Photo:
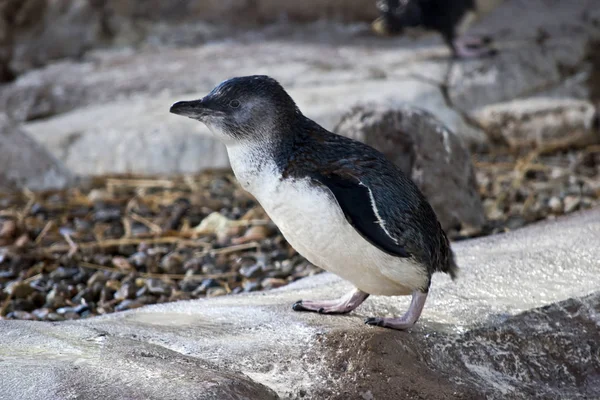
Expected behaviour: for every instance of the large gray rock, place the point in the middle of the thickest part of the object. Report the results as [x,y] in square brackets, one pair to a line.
[520,322]
[544,48]
[85,363]
[139,135]
[432,155]
[327,67]
[43,30]
[24,163]
[541,122]
[35,32]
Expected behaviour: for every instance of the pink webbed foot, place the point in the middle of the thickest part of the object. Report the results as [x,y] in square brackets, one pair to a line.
[408,320]
[338,306]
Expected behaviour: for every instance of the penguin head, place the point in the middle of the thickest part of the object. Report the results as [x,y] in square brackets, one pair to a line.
[242,108]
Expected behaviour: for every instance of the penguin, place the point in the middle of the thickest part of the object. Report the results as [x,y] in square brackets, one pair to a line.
[450,18]
[338,202]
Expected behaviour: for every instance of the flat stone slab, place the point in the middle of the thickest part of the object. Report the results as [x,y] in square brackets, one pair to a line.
[523,320]
[140,136]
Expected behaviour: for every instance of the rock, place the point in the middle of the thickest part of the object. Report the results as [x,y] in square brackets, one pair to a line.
[273,283]
[555,205]
[241,11]
[23,315]
[35,32]
[534,59]
[126,291]
[540,122]
[24,163]
[62,273]
[571,203]
[158,287]
[251,271]
[498,332]
[19,290]
[215,292]
[8,228]
[128,304]
[163,143]
[94,365]
[427,152]
[172,263]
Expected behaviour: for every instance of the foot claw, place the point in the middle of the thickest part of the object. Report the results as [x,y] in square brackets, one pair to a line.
[374,321]
[297,306]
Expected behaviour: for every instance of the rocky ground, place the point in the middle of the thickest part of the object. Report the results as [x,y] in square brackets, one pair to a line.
[512,145]
[118,243]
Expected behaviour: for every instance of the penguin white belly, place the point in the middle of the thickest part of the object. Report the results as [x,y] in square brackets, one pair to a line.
[313,223]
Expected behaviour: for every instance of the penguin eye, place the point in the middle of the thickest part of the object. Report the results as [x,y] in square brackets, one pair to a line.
[234,104]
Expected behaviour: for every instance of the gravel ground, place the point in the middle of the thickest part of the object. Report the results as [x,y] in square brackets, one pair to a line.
[117,243]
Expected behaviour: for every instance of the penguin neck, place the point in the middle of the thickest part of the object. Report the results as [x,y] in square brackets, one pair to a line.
[252,159]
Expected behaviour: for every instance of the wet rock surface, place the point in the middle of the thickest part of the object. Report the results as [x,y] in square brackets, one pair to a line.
[432,155]
[25,163]
[521,321]
[91,364]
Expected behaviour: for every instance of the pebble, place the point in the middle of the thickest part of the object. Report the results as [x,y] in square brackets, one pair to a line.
[193,264]
[19,290]
[146,299]
[189,285]
[8,229]
[555,205]
[215,291]
[158,287]
[107,215]
[97,277]
[86,295]
[126,291]
[107,294]
[122,264]
[113,284]
[55,317]
[128,305]
[272,283]
[37,209]
[66,310]
[571,203]
[9,274]
[82,308]
[21,315]
[62,273]
[178,295]
[172,263]
[23,304]
[250,286]
[41,313]
[250,271]
[139,259]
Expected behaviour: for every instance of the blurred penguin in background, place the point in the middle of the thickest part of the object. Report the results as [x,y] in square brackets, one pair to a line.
[450,18]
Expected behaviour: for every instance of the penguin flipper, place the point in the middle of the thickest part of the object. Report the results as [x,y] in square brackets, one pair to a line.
[357,202]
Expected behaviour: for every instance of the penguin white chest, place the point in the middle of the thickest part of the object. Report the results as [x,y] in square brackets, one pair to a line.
[312,222]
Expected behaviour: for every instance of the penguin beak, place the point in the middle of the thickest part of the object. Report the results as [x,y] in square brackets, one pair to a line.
[191,109]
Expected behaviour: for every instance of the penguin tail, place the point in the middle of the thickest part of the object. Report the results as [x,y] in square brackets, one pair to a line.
[452,268]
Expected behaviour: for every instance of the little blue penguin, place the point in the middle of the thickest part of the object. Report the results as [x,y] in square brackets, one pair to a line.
[340,203]
[451,18]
